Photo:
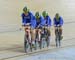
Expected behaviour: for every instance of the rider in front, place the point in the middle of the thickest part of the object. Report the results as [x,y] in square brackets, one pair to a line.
[27,18]
[39,21]
[47,21]
[58,21]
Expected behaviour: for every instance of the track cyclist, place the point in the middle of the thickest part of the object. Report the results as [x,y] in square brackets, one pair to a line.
[39,22]
[47,22]
[58,23]
[28,19]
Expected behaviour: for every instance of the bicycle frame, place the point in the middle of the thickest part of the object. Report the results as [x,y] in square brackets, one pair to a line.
[44,35]
[26,38]
[58,36]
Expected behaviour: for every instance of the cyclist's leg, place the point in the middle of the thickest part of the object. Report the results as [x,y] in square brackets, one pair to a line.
[29,34]
[39,38]
[55,30]
[60,29]
[49,32]
[36,33]
[33,36]
[56,39]
[49,35]
[39,34]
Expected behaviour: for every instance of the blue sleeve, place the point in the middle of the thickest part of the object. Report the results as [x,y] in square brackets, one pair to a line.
[54,22]
[42,22]
[49,21]
[61,21]
[23,20]
[31,14]
[33,22]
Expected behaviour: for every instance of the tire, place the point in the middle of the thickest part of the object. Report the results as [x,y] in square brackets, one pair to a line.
[30,46]
[25,44]
[40,44]
[57,39]
[47,42]
[35,45]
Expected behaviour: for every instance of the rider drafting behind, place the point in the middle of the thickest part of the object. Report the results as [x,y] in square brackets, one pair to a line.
[47,21]
[39,22]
